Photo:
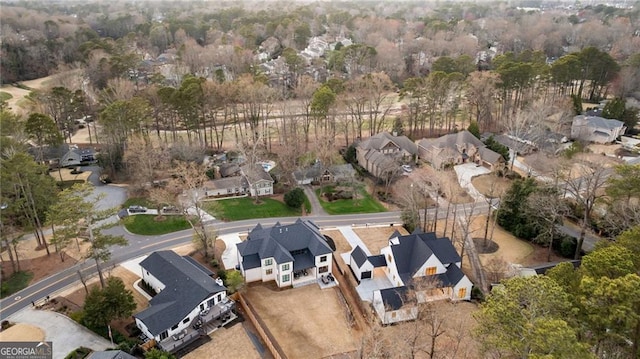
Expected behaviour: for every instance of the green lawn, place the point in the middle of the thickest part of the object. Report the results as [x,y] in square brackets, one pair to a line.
[147,224]
[15,283]
[245,208]
[5,96]
[364,203]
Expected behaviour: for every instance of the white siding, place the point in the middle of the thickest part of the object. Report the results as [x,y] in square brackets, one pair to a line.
[431,262]
[252,275]
[154,282]
[367,266]
[463,283]
[328,262]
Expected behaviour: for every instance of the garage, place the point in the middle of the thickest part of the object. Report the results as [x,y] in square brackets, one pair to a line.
[366,275]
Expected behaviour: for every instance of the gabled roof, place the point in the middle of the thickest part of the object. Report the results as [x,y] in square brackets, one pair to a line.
[256,173]
[452,141]
[187,284]
[599,122]
[490,155]
[382,139]
[410,254]
[280,240]
[413,250]
[359,256]
[224,183]
[394,298]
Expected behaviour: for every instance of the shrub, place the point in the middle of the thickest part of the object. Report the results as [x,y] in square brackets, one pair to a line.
[294,198]
[477,294]
[78,353]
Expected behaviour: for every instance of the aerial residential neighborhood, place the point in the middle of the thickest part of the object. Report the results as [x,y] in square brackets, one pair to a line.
[319,179]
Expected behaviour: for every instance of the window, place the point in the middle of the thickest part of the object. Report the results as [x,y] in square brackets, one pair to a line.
[323,269]
[164,335]
[268,262]
[323,259]
[175,327]
[186,320]
[389,258]
[430,271]
[393,314]
[462,292]
[219,298]
[285,266]
[269,271]
[285,278]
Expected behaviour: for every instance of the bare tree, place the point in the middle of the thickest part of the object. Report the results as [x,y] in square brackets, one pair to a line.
[585,186]
[548,207]
[186,192]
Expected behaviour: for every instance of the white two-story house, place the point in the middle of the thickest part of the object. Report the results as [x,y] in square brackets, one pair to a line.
[291,255]
[421,263]
[184,290]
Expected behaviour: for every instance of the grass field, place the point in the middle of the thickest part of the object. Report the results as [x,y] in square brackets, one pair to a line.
[364,204]
[155,225]
[245,208]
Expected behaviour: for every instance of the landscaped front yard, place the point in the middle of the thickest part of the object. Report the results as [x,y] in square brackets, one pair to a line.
[307,322]
[152,225]
[245,208]
[364,203]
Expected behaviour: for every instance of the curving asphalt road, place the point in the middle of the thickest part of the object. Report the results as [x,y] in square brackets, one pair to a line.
[141,245]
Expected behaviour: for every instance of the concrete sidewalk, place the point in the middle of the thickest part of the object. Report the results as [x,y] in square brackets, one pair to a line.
[65,334]
[230,254]
[353,239]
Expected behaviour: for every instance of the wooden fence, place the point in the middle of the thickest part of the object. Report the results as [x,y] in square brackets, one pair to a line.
[263,331]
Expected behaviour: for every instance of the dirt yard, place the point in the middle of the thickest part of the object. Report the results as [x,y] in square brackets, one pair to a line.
[66,175]
[342,245]
[231,342]
[454,342]
[491,185]
[35,260]
[22,333]
[307,322]
[378,237]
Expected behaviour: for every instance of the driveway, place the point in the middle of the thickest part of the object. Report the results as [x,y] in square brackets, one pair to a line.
[112,195]
[316,208]
[465,173]
[230,254]
[65,334]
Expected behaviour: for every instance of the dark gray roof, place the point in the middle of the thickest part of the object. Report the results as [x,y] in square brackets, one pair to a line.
[394,298]
[303,261]
[186,285]
[202,268]
[251,261]
[110,354]
[410,254]
[378,261]
[414,249]
[359,256]
[280,240]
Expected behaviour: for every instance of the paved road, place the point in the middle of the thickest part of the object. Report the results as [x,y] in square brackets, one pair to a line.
[141,245]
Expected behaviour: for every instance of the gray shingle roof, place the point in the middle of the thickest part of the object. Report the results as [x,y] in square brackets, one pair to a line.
[453,140]
[255,173]
[378,261]
[186,286]
[414,249]
[359,256]
[224,183]
[280,240]
[394,298]
[110,354]
[379,141]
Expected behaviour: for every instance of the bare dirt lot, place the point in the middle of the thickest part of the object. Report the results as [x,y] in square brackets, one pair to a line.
[491,185]
[232,342]
[35,260]
[307,322]
[22,332]
[378,237]
[454,342]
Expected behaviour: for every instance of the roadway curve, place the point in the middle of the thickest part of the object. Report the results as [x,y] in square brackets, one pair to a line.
[142,245]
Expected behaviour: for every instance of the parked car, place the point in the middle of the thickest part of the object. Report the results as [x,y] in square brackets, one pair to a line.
[170,209]
[407,168]
[137,209]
